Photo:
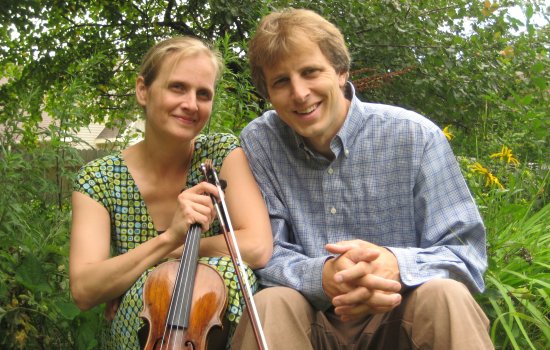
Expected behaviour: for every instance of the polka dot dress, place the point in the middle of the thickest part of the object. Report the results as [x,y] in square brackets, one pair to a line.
[108,181]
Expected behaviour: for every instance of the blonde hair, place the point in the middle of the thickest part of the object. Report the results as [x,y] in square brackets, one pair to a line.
[184,46]
[280,32]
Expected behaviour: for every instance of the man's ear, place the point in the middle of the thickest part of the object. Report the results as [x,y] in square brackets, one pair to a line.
[342,79]
[141,91]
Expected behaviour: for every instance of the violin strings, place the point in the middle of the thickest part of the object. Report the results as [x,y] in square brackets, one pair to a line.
[187,295]
[177,294]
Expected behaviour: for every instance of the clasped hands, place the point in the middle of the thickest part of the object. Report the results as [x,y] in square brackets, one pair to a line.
[362,279]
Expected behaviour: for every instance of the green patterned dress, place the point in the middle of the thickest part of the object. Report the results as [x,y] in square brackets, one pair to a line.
[108,181]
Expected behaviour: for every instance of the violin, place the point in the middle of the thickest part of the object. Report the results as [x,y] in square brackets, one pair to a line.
[185,300]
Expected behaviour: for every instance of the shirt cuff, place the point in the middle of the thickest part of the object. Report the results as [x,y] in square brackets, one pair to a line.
[313,284]
[408,267]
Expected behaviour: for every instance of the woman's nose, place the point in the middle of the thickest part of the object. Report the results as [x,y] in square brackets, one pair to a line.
[189,102]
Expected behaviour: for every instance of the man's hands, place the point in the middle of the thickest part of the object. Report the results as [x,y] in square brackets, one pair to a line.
[363,279]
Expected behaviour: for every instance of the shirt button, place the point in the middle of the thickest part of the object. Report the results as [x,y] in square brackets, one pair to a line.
[346,152]
[330,171]
[333,210]
[409,277]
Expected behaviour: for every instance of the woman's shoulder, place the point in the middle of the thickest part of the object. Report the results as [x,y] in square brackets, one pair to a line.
[108,164]
[110,159]
[215,146]
[217,140]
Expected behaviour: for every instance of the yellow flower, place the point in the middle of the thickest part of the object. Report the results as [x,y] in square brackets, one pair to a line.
[490,179]
[506,153]
[447,133]
[478,168]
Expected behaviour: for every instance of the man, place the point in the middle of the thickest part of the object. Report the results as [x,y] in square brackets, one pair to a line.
[377,238]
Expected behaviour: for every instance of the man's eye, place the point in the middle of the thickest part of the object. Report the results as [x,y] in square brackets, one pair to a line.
[311,71]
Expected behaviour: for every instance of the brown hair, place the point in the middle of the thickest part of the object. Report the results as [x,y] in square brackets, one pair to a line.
[279,32]
[185,46]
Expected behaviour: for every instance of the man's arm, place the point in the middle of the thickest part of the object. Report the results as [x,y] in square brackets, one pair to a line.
[452,236]
[289,266]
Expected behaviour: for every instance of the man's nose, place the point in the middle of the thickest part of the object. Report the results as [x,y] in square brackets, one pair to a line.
[300,89]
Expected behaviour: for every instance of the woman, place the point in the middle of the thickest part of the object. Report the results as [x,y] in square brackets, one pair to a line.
[134,198]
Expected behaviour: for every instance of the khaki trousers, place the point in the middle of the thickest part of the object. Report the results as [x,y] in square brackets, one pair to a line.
[440,314]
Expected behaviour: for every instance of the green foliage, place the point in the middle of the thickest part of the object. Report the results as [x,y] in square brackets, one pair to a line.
[35,307]
[517,217]
[467,64]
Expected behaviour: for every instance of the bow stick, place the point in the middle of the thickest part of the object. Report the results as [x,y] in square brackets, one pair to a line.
[223,216]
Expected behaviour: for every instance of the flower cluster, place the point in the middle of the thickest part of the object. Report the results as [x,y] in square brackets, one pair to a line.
[505,155]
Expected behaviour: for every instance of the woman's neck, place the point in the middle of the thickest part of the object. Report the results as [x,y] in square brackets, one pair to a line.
[162,159]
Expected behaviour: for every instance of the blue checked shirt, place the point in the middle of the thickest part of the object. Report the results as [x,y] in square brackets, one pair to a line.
[394,182]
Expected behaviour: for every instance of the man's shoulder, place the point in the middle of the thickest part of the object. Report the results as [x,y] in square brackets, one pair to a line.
[266,119]
[263,126]
[392,114]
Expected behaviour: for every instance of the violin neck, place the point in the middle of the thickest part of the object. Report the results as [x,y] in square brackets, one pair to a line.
[183,290]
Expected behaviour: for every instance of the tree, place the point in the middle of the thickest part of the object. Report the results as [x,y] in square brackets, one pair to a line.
[461,63]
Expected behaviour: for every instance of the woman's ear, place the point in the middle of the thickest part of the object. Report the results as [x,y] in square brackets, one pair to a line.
[141,91]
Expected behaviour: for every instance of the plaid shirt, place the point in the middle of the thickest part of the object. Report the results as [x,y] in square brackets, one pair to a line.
[394,182]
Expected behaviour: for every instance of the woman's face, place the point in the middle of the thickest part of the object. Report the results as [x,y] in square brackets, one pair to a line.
[179,101]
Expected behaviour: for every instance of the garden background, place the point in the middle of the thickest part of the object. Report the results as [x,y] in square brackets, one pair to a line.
[478,69]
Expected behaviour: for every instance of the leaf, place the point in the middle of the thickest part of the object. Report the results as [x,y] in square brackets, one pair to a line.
[2,313]
[539,82]
[67,309]
[537,67]
[31,274]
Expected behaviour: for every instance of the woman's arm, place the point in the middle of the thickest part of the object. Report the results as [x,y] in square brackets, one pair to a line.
[248,214]
[96,277]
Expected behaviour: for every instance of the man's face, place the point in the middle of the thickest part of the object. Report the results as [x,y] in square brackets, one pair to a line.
[307,94]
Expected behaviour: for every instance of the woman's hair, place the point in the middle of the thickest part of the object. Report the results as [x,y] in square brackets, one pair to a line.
[280,32]
[183,46]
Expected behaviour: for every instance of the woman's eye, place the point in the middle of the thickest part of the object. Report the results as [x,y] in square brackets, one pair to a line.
[177,87]
[280,82]
[204,95]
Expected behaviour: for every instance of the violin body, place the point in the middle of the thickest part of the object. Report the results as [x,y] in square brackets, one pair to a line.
[209,300]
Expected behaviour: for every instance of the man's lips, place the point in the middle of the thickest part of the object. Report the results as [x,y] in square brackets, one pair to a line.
[308,109]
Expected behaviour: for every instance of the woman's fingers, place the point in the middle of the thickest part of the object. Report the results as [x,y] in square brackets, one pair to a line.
[195,207]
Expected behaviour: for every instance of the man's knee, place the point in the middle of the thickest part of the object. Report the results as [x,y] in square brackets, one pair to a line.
[279,299]
[447,298]
[443,289]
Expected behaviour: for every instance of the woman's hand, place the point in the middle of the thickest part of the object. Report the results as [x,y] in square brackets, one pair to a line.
[95,276]
[194,206]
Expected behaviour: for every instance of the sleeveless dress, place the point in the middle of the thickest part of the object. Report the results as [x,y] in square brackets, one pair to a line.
[107,181]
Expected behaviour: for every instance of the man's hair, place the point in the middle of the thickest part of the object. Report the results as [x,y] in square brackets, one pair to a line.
[280,32]
[184,47]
